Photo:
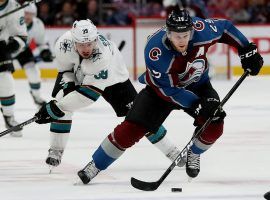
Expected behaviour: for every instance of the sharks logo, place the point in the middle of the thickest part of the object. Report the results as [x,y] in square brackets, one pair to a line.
[192,73]
[66,45]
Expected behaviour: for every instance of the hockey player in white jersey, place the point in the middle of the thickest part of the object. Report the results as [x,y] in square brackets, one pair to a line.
[13,36]
[35,42]
[90,66]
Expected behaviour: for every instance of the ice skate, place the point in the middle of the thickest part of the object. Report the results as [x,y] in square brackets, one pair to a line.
[173,154]
[193,164]
[54,158]
[88,172]
[38,100]
[10,122]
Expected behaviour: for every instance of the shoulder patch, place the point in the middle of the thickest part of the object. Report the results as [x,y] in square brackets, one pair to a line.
[198,25]
[65,45]
[155,53]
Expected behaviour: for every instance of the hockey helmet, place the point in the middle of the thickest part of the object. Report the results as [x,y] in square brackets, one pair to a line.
[179,21]
[84,31]
[31,9]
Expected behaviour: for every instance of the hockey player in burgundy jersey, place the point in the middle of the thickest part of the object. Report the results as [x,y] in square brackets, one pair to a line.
[176,77]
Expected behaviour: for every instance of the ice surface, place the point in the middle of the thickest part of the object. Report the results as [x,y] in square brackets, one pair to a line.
[236,167]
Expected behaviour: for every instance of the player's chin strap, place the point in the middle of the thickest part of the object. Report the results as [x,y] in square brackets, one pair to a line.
[29,121]
[151,186]
[19,8]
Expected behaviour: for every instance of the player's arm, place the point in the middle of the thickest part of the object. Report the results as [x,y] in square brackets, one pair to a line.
[250,58]
[82,96]
[17,28]
[40,39]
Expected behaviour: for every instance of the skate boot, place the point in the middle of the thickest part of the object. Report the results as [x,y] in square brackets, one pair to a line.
[173,154]
[88,172]
[10,122]
[38,100]
[54,157]
[193,164]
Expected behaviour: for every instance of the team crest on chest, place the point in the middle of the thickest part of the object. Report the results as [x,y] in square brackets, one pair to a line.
[155,53]
[66,45]
[192,73]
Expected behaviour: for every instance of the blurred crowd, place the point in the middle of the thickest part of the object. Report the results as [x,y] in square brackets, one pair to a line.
[121,12]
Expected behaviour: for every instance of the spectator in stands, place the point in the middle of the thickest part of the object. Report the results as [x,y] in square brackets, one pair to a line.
[152,9]
[67,15]
[92,12]
[119,14]
[45,14]
[237,12]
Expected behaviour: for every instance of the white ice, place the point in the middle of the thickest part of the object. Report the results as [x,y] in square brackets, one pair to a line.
[237,167]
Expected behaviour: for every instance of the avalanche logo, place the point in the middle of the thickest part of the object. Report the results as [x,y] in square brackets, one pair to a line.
[154,54]
[192,73]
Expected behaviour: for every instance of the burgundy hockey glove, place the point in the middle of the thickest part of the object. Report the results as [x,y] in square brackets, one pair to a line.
[48,113]
[251,59]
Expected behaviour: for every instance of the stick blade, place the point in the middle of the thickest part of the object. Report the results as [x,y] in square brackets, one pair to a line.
[145,186]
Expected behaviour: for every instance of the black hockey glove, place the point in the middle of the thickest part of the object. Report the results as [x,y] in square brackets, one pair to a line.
[46,55]
[69,87]
[251,59]
[208,106]
[5,57]
[12,45]
[48,113]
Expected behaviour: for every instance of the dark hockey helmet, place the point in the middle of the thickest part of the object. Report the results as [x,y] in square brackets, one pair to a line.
[179,21]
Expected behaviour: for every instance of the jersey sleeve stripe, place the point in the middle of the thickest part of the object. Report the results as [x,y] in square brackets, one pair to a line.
[89,92]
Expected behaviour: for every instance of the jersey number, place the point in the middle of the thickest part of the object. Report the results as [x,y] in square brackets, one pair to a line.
[102,75]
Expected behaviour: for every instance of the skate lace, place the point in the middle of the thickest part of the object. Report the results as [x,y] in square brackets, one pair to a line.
[193,160]
[55,153]
[91,170]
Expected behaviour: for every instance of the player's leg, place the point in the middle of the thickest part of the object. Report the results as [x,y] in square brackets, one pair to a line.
[7,92]
[59,129]
[59,134]
[121,97]
[210,134]
[147,114]
[27,61]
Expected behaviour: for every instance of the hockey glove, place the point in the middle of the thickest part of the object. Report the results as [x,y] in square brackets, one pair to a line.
[5,58]
[69,87]
[48,113]
[12,45]
[251,59]
[208,106]
[46,55]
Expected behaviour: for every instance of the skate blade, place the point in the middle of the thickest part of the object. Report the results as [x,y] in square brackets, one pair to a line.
[78,182]
[51,169]
[190,179]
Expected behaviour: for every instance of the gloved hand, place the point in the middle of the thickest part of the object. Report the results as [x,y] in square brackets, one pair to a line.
[69,87]
[208,106]
[12,45]
[46,55]
[48,113]
[251,59]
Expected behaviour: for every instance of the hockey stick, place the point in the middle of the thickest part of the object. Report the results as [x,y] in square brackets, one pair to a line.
[29,121]
[151,186]
[19,8]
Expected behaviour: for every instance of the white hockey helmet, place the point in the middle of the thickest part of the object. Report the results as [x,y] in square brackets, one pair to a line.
[31,9]
[84,31]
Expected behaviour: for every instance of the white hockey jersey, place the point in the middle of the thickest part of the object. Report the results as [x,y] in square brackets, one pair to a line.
[36,34]
[13,24]
[104,68]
